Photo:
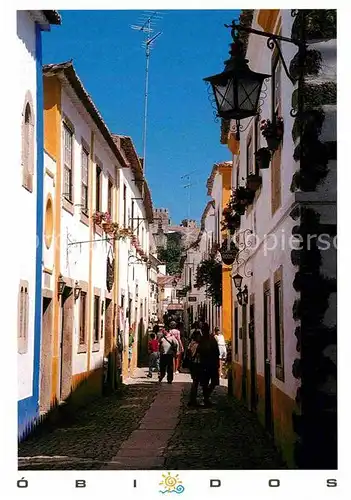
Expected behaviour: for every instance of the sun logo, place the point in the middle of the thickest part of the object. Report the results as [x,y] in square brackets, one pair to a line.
[171,484]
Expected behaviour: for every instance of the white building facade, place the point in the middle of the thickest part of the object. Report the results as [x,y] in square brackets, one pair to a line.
[282,336]
[27,304]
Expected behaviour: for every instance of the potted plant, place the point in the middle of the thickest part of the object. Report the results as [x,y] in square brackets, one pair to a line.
[253,182]
[273,132]
[262,158]
[243,196]
[98,218]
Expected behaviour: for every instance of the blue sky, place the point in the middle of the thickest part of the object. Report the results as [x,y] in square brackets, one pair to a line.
[182,135]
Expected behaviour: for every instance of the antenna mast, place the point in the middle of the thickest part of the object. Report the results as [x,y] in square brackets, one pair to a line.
[146,28]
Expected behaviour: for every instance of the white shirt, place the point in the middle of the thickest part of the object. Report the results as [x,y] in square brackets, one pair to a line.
[220,340]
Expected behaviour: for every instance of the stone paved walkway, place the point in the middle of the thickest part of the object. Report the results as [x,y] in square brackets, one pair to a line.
[150,426]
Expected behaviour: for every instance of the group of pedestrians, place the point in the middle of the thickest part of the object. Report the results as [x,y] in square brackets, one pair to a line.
[165,352]
[204,357]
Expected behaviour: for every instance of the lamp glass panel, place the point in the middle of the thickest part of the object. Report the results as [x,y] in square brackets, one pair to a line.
[224,96]
[248,94]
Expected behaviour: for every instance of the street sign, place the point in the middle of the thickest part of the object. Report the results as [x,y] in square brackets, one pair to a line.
[228,254]
[192,299]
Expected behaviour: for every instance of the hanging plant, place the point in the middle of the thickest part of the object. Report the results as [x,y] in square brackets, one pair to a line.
[98,218]
[273,132]
[242,196]
[262,158]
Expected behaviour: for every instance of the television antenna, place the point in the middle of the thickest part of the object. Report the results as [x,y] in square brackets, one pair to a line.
[146,25]
[188,186]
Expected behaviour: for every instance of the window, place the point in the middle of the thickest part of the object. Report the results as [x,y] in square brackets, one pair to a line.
[278,324]
[110,197]
[138,224]
[28,145]
[132,216]
[102,319]
[276,110]
[124,205]
[68,163]
[98,186]
[236,331]
[23,316]
[96,318]
[85,180]
[83,318]
[237,174]
[249,156]
[267,321]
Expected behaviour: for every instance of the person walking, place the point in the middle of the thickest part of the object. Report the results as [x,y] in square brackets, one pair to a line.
[154,354]
[178,357]
[193,363]
[222,349]
[168,350]
[208,352]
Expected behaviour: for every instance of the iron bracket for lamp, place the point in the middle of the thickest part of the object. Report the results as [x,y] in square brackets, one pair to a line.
[243,249]
[273,41]
[135,261]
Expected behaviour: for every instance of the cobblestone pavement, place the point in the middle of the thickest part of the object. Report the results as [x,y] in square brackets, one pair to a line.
[149,426]
[95,434]
[224,437]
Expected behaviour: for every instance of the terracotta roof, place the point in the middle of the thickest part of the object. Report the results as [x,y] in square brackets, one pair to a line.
[52,16]
[210,180]
[70,74]
[165,280]
[136,164]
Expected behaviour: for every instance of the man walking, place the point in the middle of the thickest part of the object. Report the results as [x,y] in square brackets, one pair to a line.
[168,349]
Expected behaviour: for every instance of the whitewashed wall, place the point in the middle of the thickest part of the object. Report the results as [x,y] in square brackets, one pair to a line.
[24,269]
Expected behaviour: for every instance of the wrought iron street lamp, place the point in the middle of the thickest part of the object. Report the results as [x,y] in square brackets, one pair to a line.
[77,290]
[238,279]
[61,284]
[237,89]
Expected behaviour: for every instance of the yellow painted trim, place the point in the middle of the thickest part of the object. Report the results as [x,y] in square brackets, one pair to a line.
[48,239]
[267,18]
[91,236]
[52,145]
[233,144]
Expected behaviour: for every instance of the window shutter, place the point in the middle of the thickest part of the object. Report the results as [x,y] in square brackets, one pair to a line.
[276,180]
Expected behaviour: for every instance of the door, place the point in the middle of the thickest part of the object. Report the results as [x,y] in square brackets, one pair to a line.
[109,344]
[46,355]
[66,339]
[253,397]
[244,352]
[267,359]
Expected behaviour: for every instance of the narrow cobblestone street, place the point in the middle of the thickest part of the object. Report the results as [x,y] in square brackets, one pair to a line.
[149,426]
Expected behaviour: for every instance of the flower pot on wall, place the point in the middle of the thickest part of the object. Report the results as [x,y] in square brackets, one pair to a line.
[273,142]
[253,182]
[262,158]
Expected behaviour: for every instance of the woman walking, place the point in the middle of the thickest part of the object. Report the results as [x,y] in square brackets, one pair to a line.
[209,364]
[178,357]
[222,349]
[193,363]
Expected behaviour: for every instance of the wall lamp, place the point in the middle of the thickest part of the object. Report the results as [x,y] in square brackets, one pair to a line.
[61,284]
[77,290]
[243,294]
[237,89]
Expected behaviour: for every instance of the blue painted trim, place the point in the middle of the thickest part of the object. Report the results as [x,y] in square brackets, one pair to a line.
[28,408]
[40,210]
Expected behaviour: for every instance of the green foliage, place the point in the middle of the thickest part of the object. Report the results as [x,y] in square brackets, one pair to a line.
[209,274]
[171,255]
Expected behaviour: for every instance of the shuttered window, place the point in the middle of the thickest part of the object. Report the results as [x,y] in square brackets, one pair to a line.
[67,158]
[83,318]
[278,324]
[85,180]
[276,110]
